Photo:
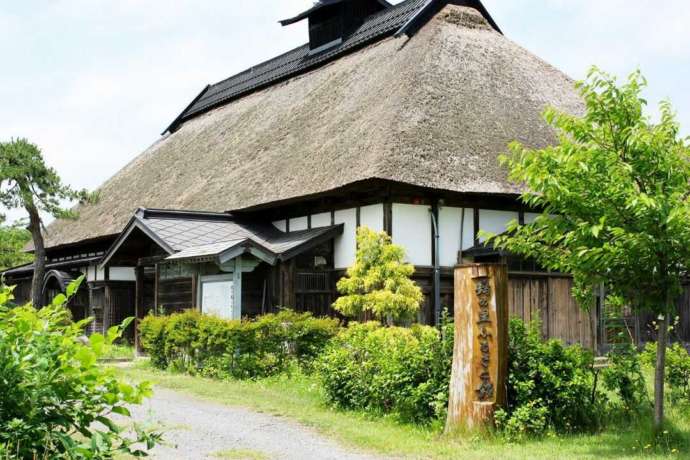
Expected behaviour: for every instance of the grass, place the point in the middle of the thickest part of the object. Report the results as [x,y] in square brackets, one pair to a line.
[299,398]
[117,352]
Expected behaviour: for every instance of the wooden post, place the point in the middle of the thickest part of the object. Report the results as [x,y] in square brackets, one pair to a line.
[480,354]
[138,305]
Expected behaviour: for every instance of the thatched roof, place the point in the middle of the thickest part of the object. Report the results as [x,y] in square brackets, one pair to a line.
[434,110]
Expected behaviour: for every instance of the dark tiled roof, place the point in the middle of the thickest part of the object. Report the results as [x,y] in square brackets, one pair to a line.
[197,234]
[298,60]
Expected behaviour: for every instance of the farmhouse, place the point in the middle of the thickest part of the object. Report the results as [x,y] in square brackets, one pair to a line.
[390,116]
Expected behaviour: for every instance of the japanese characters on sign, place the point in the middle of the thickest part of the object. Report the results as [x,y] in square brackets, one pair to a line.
[485,389]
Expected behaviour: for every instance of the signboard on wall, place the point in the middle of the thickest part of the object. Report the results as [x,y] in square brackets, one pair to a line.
[217,296]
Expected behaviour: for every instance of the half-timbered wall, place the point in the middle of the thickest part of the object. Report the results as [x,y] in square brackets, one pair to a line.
[410,227]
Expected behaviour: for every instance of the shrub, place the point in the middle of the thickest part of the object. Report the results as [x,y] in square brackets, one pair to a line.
[624,376]
[527,420]
[379,281]
[403,371]
[677,369]
[55,400]
[201,344]
[549,380]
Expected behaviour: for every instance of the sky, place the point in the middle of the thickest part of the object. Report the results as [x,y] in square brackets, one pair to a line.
[95,82]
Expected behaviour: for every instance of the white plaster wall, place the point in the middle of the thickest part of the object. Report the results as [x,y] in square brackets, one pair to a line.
[371,216]
[279,224]
[345,244]
[449,223]
[321,220]
[495,221]
[299,223]
[100,274]
[412,230]
[91,273]
[122,274]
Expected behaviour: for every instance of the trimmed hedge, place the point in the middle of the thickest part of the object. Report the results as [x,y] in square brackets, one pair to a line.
[206,345]
[397,370]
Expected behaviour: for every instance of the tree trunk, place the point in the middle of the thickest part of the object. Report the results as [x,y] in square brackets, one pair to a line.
[659,373]
[39,257]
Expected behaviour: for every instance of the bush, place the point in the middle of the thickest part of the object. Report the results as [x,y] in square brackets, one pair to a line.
[402,371]
[527,420]
[624,376]
[213,347]
[549,380]
[379,281]
[677,369]
[55,401]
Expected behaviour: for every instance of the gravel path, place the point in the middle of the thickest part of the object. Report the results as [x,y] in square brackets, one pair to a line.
[197,429]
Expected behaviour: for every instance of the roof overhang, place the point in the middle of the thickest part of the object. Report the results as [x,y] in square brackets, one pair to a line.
[28,269]
[134,223]
[223,252]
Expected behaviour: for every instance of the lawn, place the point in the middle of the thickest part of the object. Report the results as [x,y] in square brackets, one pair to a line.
[298,397]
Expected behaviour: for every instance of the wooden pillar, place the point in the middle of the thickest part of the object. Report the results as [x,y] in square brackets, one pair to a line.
[138,305]
[156,284]
[237,289]
[480,354]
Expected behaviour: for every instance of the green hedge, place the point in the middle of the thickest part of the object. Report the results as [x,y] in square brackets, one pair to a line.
[549,386]
[403,371]
[213,347]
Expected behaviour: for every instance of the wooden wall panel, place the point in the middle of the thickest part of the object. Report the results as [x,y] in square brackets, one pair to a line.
[548,299]
[176,294]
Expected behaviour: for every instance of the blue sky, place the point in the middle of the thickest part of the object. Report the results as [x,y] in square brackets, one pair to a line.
[94,82]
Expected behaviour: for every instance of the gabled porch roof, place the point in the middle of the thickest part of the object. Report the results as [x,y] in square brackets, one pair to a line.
[195,237]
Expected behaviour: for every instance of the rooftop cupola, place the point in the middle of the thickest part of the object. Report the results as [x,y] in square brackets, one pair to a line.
[332,21]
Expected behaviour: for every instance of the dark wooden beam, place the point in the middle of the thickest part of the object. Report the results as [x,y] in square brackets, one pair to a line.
[153,260]
[138,305]
[156,284]
[388,218]
[476,225]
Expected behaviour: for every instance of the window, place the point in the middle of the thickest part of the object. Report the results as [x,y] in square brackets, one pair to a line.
[216,295]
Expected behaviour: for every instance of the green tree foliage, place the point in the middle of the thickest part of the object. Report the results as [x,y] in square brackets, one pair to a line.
[26,182]
[13,238]
[55,400]
[615,199]
[379,281]
[677,369]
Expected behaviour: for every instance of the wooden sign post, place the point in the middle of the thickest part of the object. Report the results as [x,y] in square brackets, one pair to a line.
[480,354]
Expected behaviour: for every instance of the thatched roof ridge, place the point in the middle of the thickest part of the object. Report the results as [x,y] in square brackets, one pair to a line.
[433,111]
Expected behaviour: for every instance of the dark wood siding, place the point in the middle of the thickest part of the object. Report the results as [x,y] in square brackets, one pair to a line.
[176,294]
[255,291]
[96,308]
[119,300]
